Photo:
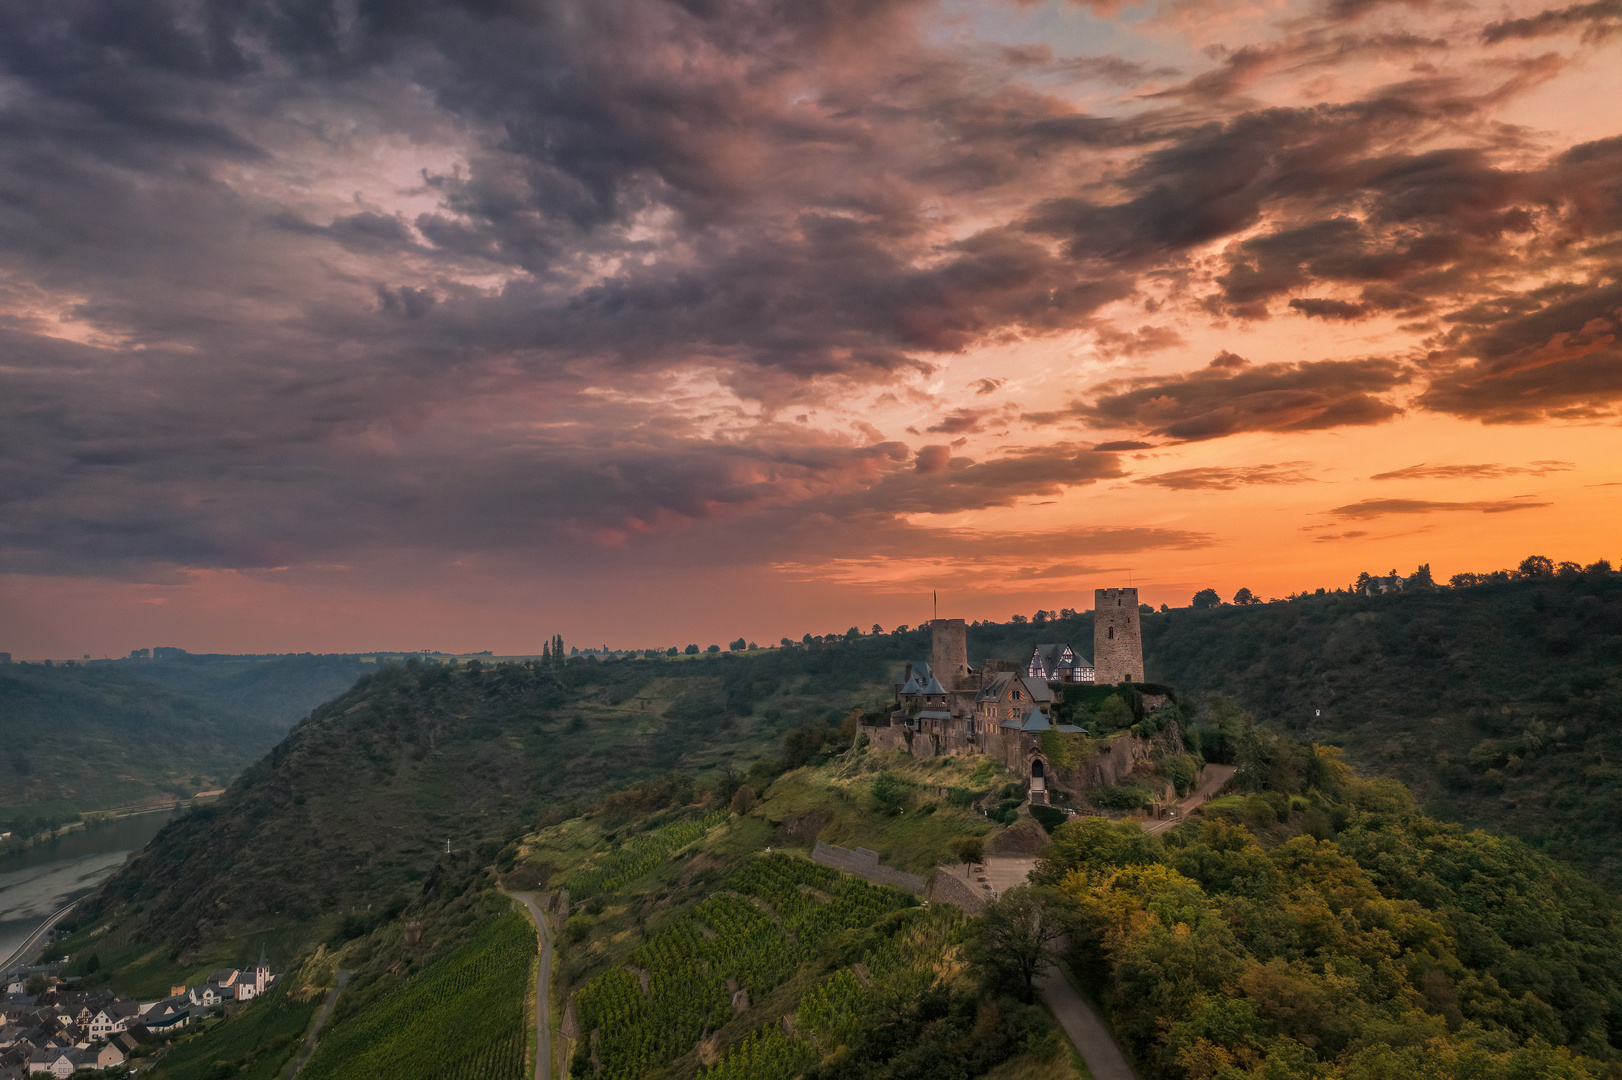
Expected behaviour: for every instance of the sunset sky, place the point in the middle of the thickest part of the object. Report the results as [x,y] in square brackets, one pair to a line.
[382,324]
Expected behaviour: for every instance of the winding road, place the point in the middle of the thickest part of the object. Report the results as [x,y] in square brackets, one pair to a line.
[1087,1032]
[543,989]
[1212,777]
[32,942]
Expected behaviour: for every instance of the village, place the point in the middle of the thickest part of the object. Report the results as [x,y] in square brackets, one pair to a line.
[49,1028]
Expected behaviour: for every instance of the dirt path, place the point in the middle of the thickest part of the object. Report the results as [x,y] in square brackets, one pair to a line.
[1087,1032]
[1211,780]
[543,990]
[315,1032]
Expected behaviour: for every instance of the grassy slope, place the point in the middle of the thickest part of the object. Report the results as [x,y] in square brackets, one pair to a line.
[258,1040]
[109,734]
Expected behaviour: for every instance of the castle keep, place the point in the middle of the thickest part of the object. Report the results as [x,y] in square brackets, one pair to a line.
[1003,709]
[1117,641]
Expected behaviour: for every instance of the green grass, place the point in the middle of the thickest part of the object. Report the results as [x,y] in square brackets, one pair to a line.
[461,1018]
[917,839]
[254,1044]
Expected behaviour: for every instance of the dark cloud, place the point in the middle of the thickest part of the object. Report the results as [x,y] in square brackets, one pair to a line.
[1560,361]
[1216,478]
[1595,22]
[1370,508]
[1492,471]
[285,280]
[1314,308]
[1145,339]
[1226,400]
[959,422]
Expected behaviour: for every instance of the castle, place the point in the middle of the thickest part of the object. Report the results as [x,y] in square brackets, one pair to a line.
[947,707]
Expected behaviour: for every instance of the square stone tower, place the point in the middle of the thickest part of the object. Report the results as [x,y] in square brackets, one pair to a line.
[950,651]
[1117,641]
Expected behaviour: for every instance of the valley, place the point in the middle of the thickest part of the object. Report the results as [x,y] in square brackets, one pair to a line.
[663,815]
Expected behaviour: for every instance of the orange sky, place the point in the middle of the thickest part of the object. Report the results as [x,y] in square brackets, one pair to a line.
[646,327]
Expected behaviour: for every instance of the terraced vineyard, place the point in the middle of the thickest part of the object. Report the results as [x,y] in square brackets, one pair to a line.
[254,1043]
[764,924]
[461,1018]
[637,856]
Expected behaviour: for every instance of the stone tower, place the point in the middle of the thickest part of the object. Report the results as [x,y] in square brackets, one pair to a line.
[1117,641]
[950,657]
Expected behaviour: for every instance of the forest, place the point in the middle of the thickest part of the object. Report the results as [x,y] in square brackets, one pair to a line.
[1317,924]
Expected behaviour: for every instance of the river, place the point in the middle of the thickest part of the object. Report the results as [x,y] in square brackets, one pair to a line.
[36,883]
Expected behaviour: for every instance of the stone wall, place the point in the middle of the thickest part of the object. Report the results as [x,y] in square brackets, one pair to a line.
[947,888]
[864,863]
[1117,639]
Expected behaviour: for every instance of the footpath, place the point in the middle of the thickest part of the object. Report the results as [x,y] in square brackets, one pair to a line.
[543,989]
[314,1036]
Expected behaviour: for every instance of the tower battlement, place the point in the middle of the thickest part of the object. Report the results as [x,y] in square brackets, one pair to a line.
[1117,638]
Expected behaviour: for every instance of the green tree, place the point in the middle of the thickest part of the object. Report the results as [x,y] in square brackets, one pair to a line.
[889,792]
[1093,843]
[35,985]
[1207,598]
[743,800]
[691,650]
[969,849]
[1018,937]
[1536,566]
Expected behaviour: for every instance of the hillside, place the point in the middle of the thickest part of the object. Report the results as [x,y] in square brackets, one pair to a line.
[338,825]
[109,734]
[1312,925]
[731,940]
[1498,704]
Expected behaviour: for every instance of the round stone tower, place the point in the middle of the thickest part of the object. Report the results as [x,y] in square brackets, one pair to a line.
[1117,641]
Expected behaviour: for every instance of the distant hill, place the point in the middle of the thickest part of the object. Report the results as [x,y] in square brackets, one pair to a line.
[1499,704]
[107,734]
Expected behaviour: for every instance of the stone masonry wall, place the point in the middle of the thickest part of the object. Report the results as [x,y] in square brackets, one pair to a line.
[950,659]
[1117,639]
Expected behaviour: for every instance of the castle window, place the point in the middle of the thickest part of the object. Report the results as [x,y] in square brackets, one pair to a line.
[1112,633]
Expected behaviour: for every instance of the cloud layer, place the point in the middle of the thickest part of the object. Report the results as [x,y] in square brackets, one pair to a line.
[289,283]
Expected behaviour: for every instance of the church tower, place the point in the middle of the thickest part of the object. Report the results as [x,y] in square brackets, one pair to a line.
[1117,641]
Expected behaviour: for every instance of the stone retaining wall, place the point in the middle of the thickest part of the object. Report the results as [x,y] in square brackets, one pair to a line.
[864,863]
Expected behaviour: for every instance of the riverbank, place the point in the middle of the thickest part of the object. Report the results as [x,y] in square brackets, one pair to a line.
[37,883]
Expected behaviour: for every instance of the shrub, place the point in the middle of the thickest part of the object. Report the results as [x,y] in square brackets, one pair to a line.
[1050,817]
[1132,795]
[889,792]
